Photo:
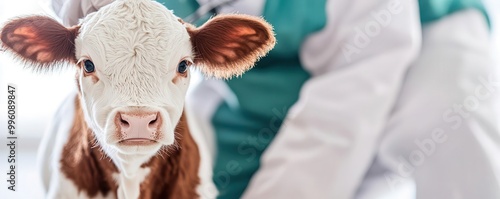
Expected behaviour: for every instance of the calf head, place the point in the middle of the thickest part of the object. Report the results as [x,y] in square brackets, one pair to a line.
[132,59]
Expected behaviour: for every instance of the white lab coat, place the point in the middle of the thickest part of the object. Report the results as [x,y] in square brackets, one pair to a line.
[367,123]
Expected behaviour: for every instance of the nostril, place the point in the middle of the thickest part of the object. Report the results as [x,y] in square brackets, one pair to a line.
[153,122]
[124,122]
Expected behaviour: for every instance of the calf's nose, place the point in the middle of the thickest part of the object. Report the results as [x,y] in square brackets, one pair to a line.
[138,126]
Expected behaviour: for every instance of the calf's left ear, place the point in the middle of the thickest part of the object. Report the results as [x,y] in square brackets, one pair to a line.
[229,45]
[39,40]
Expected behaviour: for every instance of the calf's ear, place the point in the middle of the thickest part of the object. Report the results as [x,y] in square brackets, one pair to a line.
[229,45]
[39,40]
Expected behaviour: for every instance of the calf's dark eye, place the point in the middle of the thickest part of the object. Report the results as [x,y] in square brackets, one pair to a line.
[183,67]
[88,66]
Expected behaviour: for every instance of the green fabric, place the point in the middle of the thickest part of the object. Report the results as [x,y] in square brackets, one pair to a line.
[244,132]
[181,8]
[184,8]
[264,95]
[431,10]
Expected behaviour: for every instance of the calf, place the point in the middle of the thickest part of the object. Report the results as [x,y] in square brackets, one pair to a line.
[127,135]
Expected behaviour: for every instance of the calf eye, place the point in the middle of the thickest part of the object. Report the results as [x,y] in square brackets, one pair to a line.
[88,66]
[183,66]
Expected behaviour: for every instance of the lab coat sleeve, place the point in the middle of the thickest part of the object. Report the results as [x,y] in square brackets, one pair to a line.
[329,137]
[70,11]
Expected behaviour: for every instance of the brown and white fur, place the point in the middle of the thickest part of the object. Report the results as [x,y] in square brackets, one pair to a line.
[136,47]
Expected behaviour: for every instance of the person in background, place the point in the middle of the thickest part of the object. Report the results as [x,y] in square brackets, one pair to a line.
[358,99]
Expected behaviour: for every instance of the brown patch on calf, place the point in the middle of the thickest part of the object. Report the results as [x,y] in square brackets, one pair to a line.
[229,45]
[172,176]
[83,162]
[176,174]
[40,40]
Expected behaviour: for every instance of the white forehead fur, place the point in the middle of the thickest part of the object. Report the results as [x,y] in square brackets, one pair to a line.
[136,35]
[136,46]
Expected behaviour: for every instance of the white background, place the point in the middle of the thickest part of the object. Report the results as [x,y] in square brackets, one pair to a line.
[39,95]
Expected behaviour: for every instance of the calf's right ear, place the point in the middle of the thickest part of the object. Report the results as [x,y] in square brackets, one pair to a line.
[39,40]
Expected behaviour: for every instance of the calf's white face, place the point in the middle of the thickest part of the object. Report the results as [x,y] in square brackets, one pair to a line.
[132,58]
[133,76]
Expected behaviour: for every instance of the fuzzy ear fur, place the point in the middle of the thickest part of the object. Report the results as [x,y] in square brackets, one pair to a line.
[229,45]
[39,40]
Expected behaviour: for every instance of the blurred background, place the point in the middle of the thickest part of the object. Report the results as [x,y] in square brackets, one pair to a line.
[40,94]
